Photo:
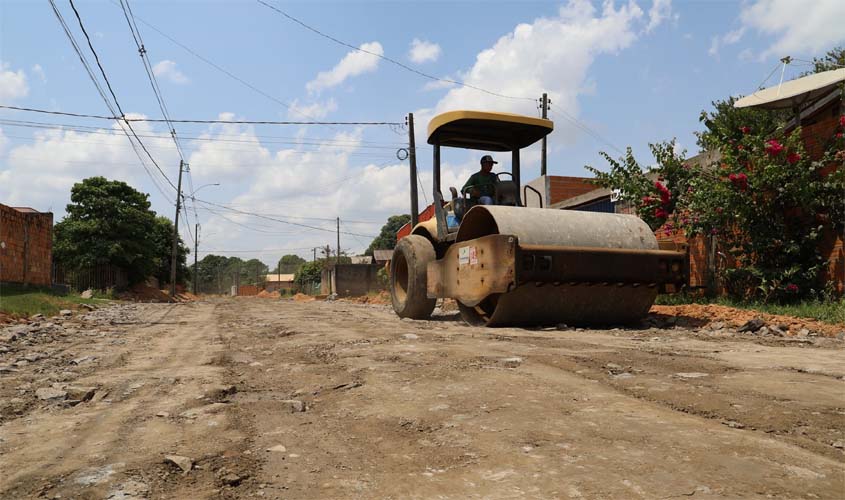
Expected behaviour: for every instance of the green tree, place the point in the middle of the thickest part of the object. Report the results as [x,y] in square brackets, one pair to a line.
[386,239]
[309,273]
[834,59]
[163,241]
[288,264]
[253,272]
[107,222]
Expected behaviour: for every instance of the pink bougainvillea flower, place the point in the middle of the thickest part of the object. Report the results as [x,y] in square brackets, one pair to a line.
[719,210]
[792,288]
[660,213]
[773,147]
[714,231]
[740,181]
[746,130]
[793,158]
[741,147]
[842,120]
[839,135]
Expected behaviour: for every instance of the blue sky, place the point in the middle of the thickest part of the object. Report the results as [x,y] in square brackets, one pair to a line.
[630,72]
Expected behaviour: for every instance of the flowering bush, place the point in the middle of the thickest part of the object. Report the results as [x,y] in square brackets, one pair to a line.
[766,201]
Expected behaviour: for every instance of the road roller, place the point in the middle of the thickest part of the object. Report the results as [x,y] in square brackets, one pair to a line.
[507,264]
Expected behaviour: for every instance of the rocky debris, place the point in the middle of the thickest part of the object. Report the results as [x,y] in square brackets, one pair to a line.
[203,410]
[717,325]
[79,393]
[689,375]
[347,386]
[87,294]
[219,392]
[803,332]
[752,325]
[82,359]
[97,475]
[277,449]
[512,362]
[89,307]
[733,424]
[66,313]
[293,405]
[50,394]
[6,369]
[129,490]
[839,444]
[184,463]
[232,479]
[410,336]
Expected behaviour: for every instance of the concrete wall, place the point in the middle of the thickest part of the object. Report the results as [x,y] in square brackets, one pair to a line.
[349,280]
[26,246]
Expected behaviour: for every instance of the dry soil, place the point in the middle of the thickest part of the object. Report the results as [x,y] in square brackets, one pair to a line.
[287,399]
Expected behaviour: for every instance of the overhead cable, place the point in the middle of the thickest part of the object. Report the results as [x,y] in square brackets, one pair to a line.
[388,59]
[233,122]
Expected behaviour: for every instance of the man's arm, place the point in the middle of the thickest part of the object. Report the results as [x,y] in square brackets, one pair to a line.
[471,183]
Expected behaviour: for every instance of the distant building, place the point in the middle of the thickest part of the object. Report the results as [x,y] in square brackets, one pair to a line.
[382,257]
[276,282]
[361,259]
[26,246]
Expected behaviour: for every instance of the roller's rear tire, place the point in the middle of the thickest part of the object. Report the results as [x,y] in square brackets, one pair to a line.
[408,277]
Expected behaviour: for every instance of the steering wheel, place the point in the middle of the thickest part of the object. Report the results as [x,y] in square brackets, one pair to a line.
[503,173]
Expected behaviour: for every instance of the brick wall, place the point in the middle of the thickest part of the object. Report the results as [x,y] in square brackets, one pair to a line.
[26,246]
[563,188]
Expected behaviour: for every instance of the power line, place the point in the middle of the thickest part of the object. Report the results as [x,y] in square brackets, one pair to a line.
[388,59]
[142,51]
[116,102]
[253,214]
[232,122]
[217,138]
[101,92]
[221,69]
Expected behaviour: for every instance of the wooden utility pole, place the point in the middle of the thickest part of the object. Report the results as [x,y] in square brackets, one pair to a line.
[314,258]
[196,244]
[175,246]
[412,157]
[544,102]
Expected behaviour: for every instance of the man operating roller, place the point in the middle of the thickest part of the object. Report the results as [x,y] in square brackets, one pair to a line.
[481,185]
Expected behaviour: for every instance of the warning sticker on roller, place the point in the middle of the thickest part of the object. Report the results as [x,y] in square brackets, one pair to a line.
[463,256]
[473,256]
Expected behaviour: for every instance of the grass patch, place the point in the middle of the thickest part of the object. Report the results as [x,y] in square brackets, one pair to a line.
[19,300]
[831,311]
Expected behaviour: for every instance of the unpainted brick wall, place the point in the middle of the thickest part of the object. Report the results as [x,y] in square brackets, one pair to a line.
[563,188]
[26,246]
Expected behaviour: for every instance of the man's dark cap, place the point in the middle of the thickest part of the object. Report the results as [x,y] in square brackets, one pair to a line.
[487,158]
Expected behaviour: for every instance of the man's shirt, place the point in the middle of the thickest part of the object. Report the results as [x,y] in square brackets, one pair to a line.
[483,182]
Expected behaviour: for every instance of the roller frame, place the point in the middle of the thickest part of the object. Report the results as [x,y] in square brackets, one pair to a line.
[475,269]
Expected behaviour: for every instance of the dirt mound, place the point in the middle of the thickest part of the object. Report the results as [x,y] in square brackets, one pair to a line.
[733,317]
[301,297]
[381,298]
[264,294]
[144,293]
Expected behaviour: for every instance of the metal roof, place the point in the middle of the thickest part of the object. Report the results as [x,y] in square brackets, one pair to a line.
[487,131]
[794,92]
[275,278]
[383,255]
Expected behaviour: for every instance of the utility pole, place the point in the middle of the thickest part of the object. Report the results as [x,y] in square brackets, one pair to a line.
[196,244]
[314,258]
[544,102]
[328,251]
[175,245]
[337,261]
[412,157]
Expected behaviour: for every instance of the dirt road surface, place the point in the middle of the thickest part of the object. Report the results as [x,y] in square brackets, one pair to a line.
[279,399]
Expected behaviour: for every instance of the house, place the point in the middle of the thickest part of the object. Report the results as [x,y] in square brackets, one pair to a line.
[276,282]
[26,246]
[382,257]
[361,259]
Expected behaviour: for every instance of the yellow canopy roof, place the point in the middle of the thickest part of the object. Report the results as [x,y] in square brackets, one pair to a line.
[486,130]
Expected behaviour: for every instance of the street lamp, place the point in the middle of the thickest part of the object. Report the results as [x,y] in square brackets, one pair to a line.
[196,232]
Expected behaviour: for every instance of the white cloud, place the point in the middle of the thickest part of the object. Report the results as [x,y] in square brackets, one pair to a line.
[38,71]
[167,69]
[56,159]
[314,111]
[797,28]
[353,63]
[13,84]
[660,11]
[729,38]
[548,55]
[423,51]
